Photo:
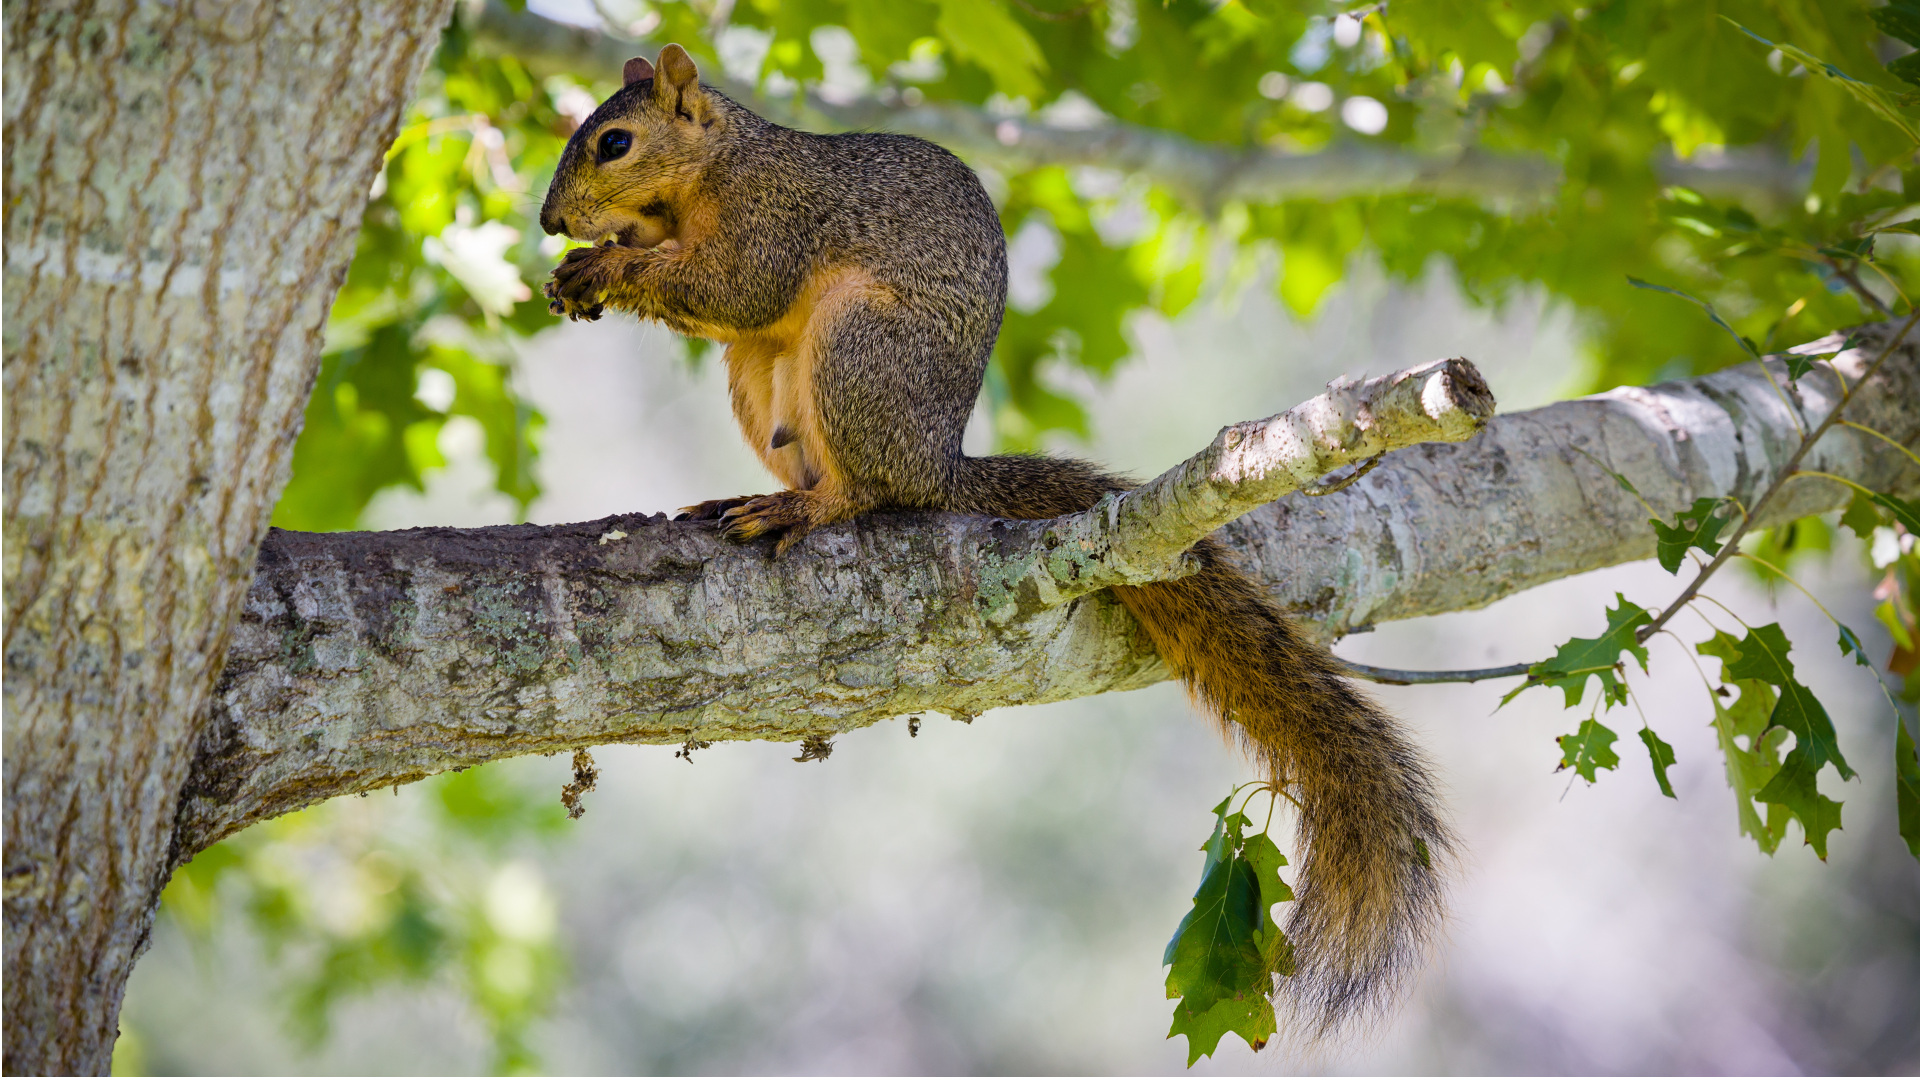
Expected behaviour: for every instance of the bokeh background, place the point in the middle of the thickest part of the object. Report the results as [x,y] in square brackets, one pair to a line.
[994,897]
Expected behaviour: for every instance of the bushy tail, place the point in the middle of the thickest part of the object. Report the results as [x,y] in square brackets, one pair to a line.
[1370,889]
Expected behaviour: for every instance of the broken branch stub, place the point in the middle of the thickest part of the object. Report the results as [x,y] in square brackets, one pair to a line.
[1144,535]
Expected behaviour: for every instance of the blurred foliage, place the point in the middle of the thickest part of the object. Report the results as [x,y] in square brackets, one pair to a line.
[425,326]
[1604,90]
[424,329]
[359,894]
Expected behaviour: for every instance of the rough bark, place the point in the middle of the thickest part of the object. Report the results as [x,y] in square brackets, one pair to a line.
[1205,175]
[183,186]
[369,659]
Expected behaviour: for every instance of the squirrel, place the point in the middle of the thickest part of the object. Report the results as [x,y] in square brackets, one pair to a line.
[858,282]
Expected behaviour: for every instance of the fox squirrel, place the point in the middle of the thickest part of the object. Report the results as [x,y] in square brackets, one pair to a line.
[858,282]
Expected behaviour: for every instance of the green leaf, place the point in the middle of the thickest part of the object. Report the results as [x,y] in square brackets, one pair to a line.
[1906,68]
[1800,362]
[1223,956]
[1861,517]
[1251,1018]
[1801,713]
[1581,658]
[1900,19]
[1882,102]
[1763,656]
[1751,766]
[887,29]
[1904,512]
[1588,750]
[1794,787]
[1215,957]
[1220,847]
[1696,527]
[1850,646]
[982,33]
[1265,858]
[1889,615]
[1906,768]
[1662,755]
[1745,345]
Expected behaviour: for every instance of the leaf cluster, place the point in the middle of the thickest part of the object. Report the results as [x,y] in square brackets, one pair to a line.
[1604,92]
[1227,951]
[424,328]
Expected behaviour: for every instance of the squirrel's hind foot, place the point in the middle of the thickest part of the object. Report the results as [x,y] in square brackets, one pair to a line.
[790,515]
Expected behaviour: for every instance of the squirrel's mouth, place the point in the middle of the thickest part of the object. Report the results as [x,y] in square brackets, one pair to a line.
[638,237]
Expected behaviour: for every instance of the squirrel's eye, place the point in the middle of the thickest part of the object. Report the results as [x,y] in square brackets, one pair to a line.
[614,144]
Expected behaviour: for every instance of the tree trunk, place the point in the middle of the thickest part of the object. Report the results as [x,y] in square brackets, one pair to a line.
[184,182]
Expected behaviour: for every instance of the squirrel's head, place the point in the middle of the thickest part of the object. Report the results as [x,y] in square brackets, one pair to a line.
[621,171]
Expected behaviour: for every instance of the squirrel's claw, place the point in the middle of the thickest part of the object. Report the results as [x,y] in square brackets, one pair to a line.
[572,309]
[713,509]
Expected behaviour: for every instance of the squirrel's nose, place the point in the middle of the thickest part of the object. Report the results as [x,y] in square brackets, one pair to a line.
[552,222]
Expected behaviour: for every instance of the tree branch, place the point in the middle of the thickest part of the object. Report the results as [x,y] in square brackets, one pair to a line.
[1399,677]
[1203,175]
[1144,535]
[368,659]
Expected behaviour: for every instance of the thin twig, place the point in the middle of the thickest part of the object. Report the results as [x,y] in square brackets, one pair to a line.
[1795,411]
[1859,287]
[1789,579]
[1731,614]
[1888,439]
[1346,481]
[1892,283]
[1398,677]
[1732,543]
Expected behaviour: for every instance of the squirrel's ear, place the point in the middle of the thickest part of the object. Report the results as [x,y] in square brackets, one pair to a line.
[676,68]
[678,85]
[638,69]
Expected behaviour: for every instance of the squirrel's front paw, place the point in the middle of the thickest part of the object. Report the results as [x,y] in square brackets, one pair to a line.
[561,306]
[581,281]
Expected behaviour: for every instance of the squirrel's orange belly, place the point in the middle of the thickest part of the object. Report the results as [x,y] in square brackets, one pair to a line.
[770,377]
[772,394]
